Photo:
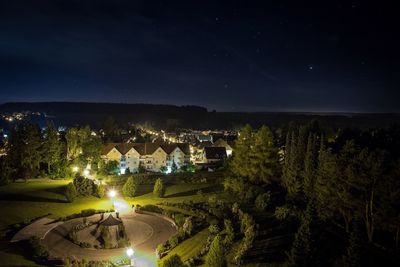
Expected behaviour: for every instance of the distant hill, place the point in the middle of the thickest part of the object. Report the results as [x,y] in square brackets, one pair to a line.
[170,116]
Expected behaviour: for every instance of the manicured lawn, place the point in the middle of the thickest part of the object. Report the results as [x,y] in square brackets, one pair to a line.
[25,201]
[190,247]
[178,193]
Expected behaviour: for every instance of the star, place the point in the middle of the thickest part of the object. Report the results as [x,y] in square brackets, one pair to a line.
[310,67]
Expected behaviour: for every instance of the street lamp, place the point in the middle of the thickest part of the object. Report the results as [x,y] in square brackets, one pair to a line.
[130,254]
[112,193]
[86,173]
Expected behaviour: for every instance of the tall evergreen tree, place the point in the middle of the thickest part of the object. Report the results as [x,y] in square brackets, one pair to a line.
[240,160]
[352,258]
[290,180]
[304,248]
[309,167]
[31,154]
[263,157]
[72,138]
[51,148]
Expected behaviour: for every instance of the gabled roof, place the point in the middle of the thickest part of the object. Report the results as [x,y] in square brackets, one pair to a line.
[169,148]
[107,148]
[215,152]
[145,148]
[111,221]
[123,148]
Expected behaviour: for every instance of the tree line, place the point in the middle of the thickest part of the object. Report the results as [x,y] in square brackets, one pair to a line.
[32,152]
[349,179]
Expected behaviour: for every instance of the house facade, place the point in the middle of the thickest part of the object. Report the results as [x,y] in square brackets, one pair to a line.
[152,157]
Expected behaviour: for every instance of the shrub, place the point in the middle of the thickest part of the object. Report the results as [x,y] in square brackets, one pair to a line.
[179,219]
[70,192]
[38,249]
[214,229]
[246,222]
[262,201]
[188,226]
[229,233]
[100,191]
[282,213]
[150,208]
[159,188]
[110,168]
[130,187]
[173,241]
[85,245]
[84,186]
[173,261]
[160,249]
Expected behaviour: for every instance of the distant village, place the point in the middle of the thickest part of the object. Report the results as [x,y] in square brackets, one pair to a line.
[169,150]
[150,150]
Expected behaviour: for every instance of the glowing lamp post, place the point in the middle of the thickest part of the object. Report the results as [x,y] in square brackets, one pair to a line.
[86,173]
[112,194]
[130,254]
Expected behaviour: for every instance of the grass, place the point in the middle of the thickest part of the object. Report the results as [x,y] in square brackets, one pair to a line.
[190,247]
[23,201]
[12,255]
[35,198]
[177,194]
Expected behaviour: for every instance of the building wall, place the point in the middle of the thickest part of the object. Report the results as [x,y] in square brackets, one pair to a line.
[114,154]
[178,157]
[132,160]
[159,159]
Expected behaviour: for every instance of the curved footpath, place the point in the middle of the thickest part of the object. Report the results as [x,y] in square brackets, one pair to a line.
[144,231]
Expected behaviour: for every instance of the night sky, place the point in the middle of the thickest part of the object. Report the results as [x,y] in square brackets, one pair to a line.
[224,55]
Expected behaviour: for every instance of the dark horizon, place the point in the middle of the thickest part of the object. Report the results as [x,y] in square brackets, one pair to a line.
[225,55]
[205,107]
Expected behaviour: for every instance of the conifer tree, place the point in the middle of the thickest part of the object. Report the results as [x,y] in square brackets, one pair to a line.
[31,154]
[240,160]
[159,188]
[309,167]
[263,157]
[290,180]
[130,187]
[51,147]
[352,258]
[304,248]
